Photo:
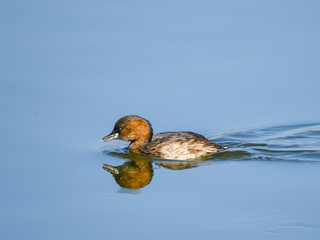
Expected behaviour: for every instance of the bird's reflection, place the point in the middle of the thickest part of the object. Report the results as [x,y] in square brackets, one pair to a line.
[133,174]
[137,171]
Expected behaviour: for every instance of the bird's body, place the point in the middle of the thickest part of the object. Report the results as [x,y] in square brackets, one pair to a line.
[168,145]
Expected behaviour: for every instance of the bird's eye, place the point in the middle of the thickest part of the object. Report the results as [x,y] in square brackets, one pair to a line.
[120,129]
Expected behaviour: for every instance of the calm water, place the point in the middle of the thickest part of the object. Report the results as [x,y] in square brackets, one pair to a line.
[265,186]
[243,73]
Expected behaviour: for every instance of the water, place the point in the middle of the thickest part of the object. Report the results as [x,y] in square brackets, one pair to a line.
[289,143]
[244,74]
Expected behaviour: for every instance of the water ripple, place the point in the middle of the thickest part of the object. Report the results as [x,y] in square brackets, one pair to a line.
[294,143]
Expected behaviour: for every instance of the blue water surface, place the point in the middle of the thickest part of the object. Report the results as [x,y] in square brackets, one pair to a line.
[243,73]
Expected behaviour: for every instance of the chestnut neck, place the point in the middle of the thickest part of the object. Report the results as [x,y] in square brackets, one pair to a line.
[138,144]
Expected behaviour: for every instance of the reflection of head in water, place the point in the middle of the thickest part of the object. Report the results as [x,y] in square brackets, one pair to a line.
[133,174]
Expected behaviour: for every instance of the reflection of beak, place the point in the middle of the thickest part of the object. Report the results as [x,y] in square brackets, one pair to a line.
[110,137]
[110,169]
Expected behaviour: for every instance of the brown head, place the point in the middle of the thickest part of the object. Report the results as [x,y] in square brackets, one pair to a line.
[131,128]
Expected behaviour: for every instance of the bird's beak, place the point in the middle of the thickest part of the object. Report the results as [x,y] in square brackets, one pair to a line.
[110,137]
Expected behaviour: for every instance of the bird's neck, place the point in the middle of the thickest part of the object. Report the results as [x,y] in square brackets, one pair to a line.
[137,145]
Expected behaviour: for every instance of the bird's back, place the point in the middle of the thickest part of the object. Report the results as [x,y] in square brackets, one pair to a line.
[180,146]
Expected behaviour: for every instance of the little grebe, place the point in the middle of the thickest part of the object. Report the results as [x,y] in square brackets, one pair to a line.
[168,145]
